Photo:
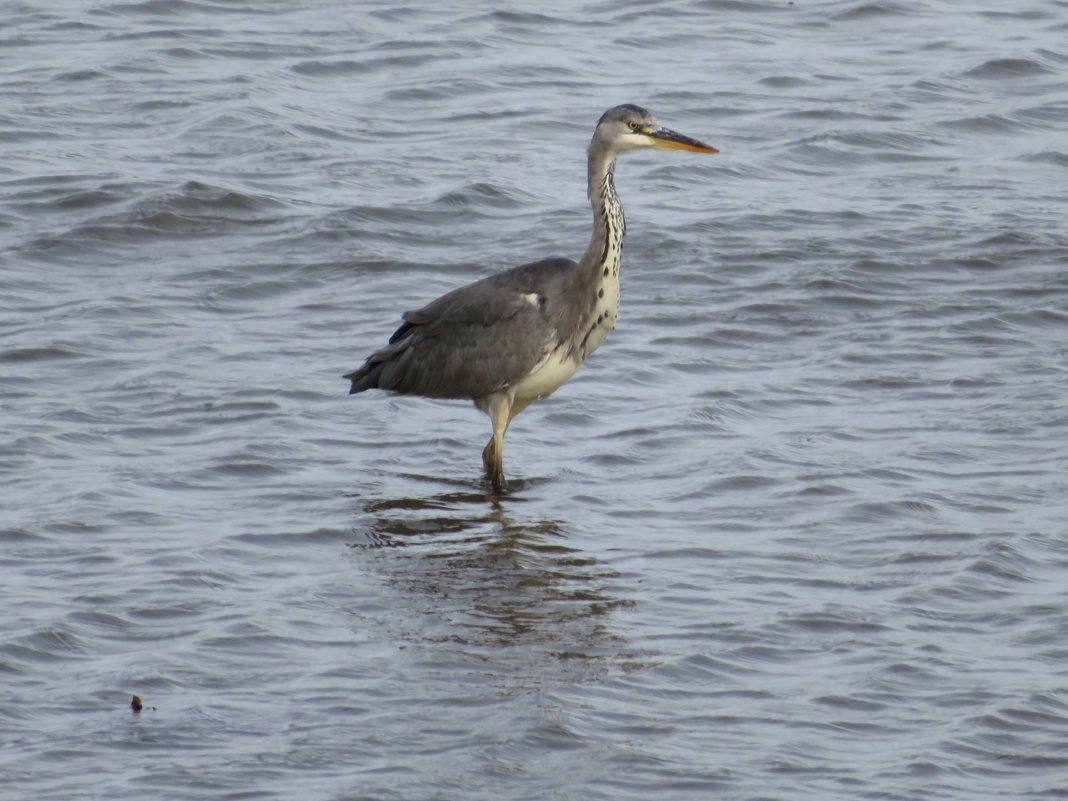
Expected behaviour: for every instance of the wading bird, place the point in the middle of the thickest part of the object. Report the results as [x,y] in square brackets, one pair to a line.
[515,337]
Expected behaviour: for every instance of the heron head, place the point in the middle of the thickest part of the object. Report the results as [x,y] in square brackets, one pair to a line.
[630,127]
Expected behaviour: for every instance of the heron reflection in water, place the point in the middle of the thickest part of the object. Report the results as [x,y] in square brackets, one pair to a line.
[517,336]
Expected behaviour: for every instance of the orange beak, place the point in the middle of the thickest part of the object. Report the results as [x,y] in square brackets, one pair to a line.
[662,137]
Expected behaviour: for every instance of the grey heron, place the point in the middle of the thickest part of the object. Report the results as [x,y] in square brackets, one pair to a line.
[518,335]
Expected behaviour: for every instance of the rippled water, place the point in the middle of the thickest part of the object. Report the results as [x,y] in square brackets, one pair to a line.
[796,531]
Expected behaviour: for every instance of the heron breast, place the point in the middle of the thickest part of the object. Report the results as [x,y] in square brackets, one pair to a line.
[548,375]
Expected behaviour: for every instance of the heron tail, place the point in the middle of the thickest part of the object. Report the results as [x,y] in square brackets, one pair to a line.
[364,378]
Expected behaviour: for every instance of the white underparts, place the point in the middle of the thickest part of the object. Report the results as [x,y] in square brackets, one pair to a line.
[548,375]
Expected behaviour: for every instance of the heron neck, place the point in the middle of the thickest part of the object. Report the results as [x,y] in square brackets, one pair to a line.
[595,289]
[609,224]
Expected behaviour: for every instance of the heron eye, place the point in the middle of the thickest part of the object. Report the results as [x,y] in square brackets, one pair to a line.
[633,125]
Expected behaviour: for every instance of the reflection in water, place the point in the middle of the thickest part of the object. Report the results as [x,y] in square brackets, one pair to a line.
[487,578]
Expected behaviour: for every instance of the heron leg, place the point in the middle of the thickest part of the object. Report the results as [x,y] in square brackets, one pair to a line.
[499,408]
[489,456]
[517,407]
[489,453]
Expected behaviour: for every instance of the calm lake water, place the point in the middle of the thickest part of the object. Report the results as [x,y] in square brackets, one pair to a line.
[798,531]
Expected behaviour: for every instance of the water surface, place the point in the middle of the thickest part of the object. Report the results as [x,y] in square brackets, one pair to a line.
[796,531]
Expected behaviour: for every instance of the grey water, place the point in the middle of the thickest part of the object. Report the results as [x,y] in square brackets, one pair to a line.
[798,530]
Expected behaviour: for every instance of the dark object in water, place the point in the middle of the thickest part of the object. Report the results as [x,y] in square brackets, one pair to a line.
[137,706]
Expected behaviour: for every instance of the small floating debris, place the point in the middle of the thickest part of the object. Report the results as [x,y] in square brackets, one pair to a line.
[136,705]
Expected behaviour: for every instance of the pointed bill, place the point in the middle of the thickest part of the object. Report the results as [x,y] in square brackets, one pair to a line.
[665,138]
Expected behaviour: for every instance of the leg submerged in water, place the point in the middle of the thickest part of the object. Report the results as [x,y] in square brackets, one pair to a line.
[499,407]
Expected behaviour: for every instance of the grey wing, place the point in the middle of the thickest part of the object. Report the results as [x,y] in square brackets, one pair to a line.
[471,342]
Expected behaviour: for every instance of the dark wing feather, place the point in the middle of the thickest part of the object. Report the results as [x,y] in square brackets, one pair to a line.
[474,340]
